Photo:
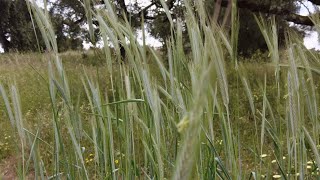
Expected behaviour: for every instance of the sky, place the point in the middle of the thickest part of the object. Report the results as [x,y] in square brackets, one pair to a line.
[150,40]
[310,41]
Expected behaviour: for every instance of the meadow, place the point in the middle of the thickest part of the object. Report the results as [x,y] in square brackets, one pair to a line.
[205,113]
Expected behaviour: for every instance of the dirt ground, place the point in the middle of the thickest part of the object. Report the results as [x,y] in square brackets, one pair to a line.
[8,169]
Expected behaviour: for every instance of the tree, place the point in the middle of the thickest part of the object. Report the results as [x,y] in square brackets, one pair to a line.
[18,33]
[68,17]
[280,9]
[16,29]
[250,38]
[4,24]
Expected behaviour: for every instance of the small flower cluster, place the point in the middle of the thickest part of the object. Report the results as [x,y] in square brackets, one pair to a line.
[90,158]
[310,166]
[5,146]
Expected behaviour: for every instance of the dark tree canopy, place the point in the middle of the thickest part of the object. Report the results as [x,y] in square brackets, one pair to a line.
[67,17]
[16,29]
[285,9]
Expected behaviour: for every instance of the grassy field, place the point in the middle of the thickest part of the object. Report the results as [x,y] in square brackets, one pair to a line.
[201,114]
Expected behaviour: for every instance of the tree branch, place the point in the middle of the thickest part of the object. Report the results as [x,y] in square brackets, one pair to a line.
[170,3]
[305,6]
[144,11]
[315,2]
[276,10]
[123,7]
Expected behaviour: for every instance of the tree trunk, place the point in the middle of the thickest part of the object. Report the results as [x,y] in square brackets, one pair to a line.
[122,53]
[4,42]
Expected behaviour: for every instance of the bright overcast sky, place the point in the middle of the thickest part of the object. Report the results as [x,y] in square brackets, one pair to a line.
[310,41]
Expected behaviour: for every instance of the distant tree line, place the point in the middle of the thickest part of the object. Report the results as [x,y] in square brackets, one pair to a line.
[17,32]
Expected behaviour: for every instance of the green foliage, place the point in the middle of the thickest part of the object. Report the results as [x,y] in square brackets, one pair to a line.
[250,37]
[67,18]
[17,31]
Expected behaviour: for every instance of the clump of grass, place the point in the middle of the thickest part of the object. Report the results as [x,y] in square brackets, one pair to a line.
[185,120]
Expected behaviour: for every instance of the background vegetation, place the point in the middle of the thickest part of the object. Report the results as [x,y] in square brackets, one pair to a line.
[69,21]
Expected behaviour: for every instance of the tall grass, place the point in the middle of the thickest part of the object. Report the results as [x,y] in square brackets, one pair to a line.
[181,124]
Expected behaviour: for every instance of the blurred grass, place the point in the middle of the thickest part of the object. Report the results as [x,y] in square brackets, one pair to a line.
[29,72]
